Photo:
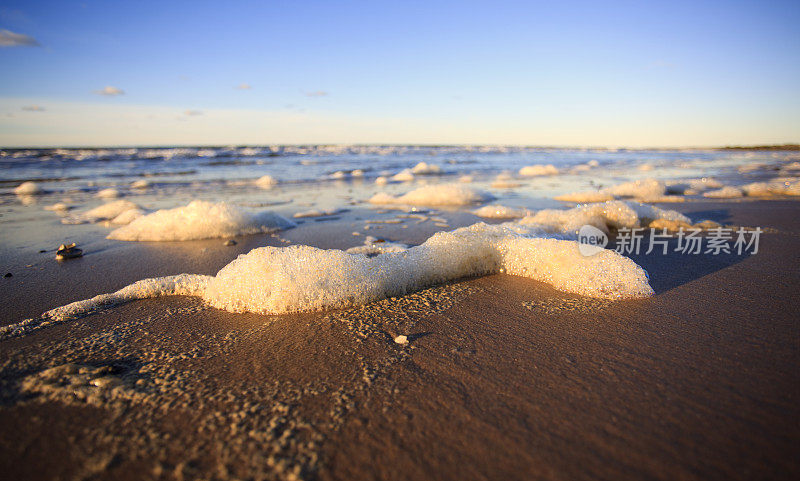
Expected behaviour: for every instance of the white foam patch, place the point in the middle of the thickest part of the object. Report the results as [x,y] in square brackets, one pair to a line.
[435,195]
[424,168]
[769,189]
[60,207]
[266,182]
[104,212]
[404,175]
[374,246]
[638,189]
[128,216]
[274,280]
[199,220]
[605,215]
[28,188]
[727,192]
[109,193]
[538,170]
[500,212]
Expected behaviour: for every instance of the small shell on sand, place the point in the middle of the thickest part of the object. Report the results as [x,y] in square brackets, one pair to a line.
[68,251]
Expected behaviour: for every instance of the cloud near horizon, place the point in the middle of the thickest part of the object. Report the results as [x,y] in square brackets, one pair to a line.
[110,91]
[11,39]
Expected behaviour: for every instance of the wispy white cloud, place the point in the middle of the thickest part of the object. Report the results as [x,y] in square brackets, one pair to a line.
[192,113]
[110,91]
[11,39]
[316,93]
[33,108]
[243,86]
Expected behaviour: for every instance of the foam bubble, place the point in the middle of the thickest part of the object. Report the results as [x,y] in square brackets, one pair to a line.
[727,192]
[266,182]
[60,207]
[404,175]
[444,194]
[605,215]
[638,189]
[538,170]
[465,179]
[276,280]
[28,188]
[424,168]
[106,211]
[109,193]
[499,212]
[128,216]
[199,220]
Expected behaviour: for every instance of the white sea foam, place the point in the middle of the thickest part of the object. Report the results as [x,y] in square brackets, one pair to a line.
[199,220]
[106,211]
[404,175]
[374,246]
[727,192]
[500,212]
[109,193]
[638,189]
[28,188]
[435,195]
[266,182]
[275,280]
[605,215]
[60,207]
[773,188]
[424,168]
[538,170]
[128,216]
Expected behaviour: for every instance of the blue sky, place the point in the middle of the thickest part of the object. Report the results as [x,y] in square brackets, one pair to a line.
[542,73]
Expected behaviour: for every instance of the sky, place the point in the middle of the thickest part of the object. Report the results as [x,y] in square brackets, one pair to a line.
[567,73]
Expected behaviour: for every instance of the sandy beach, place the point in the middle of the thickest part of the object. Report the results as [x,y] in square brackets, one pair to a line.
[502,377]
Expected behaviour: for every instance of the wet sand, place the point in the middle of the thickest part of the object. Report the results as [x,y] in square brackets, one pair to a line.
[503,378]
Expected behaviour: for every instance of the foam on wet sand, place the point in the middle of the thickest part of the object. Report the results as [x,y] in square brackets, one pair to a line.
[274,280]
[199,220]
[435,195]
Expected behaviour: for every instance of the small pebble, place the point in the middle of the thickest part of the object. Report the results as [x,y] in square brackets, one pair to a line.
[68,251]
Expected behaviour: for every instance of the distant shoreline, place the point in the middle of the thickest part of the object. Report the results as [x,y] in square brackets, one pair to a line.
[769,147]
